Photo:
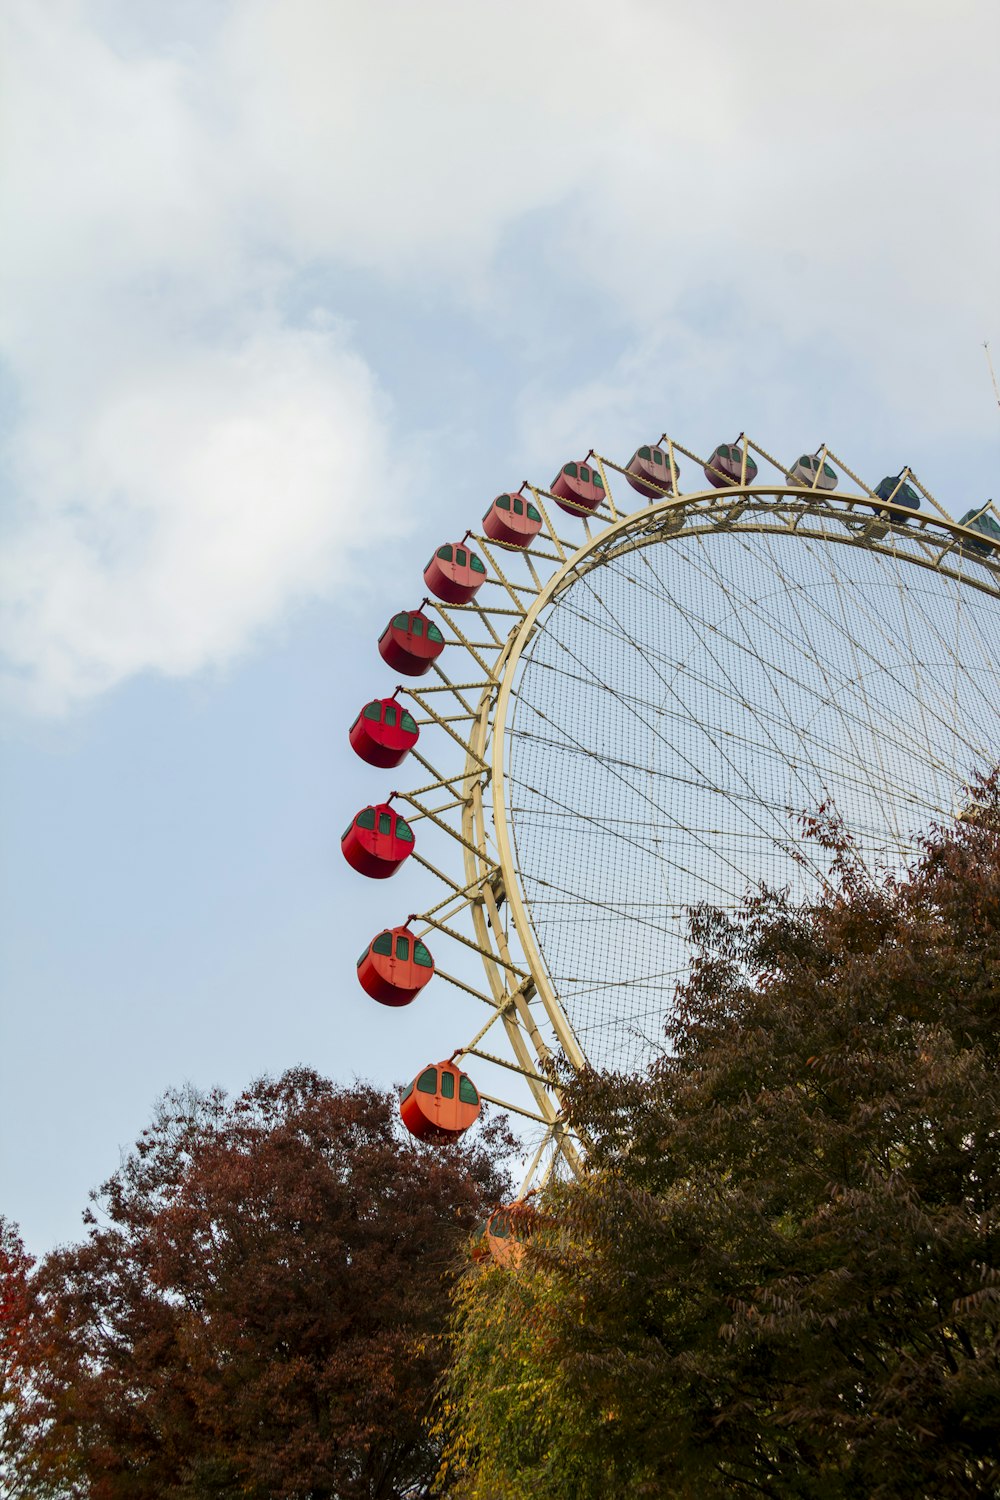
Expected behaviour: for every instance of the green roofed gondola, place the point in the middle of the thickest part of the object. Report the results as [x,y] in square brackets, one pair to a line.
[988,527]
[395,967]
[895,491]
[384,733]
[578,488]
[513,520]
[377,841]
[411,643]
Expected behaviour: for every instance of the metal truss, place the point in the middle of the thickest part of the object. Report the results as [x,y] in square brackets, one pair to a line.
[527,1030]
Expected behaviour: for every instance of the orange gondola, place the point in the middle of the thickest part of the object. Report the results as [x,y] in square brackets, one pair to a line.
[395,967]
[440,1104]
[507,1228]
[501,1236]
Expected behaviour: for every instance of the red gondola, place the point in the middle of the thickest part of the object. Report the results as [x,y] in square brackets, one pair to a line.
[440,1104]
[384,733]
[578,488]
[513,520]
[726,466]
[649,472]
[410,643]
[395,967]
[455,574]
[377,841]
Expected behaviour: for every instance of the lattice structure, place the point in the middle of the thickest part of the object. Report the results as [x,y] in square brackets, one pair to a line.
[645,702]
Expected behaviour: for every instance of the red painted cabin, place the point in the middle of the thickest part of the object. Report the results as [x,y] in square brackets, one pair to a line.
[726,465]
[455,574]
[395,967]
[578,489]
[649,473]
[377,842]
[410,643]
[384,733]
[440,1104]
[513,520]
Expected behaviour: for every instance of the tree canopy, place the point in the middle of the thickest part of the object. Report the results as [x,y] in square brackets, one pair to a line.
[257,1307]
[781,1275]
[15,1267]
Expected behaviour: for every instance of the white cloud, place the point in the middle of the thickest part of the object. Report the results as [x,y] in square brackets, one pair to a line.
[183,464]
[406,136]
[826,178]
[728,144]
[176,516]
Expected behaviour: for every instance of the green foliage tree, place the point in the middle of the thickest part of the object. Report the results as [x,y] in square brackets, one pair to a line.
[782,1274]
[257,1308]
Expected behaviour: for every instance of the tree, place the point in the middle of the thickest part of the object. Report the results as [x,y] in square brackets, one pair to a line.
[782,1274]
[257,1307]
[15,1266]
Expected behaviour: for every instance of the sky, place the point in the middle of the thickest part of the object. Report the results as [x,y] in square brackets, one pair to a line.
[289,289]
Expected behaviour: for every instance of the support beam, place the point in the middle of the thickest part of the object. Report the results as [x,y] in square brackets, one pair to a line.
[516,1109]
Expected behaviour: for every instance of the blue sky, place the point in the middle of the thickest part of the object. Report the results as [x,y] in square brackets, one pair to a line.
[291,289]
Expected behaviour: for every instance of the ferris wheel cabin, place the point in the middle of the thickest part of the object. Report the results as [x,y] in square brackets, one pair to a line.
[725,467]
[578,489]
[506,1230]
[455,574]
[377,842]
[808,472]
[384,733]
[987,526]
[650,473]
[440,1104]
[410,643]
[513,520]
[395,967]
[895,492]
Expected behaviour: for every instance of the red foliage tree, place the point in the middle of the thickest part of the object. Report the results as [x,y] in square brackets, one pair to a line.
[256,1308]
[15,1265]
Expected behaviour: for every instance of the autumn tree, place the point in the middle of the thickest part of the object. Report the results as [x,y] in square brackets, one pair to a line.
[781,1276]
[15,1266]
[257,1307]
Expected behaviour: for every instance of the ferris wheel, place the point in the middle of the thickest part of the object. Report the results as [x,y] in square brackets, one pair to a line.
[629,698]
